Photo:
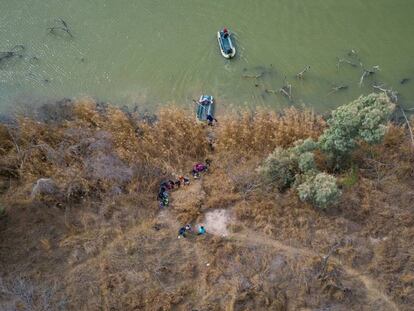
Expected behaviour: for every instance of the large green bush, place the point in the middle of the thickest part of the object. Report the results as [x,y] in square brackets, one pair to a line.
[280,168]
[307,145]
[306,162]
[320,190]
[364,118]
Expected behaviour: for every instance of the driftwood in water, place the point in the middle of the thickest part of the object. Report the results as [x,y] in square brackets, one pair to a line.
[286,89]
[64,23]
[14,51]
[393,95]
[252,76]
[346,61]
[352,59]
[5,55]
[338,88]
[368,72]
[352,52]
[300,75]
[54,30]
[63,27]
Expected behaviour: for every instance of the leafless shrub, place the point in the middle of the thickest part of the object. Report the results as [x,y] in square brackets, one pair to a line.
[21,294]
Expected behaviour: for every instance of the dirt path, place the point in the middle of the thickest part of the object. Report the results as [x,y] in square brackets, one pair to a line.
[372,288]
[191,195]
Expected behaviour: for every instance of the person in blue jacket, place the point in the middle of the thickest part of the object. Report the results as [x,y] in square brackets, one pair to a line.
[201,230]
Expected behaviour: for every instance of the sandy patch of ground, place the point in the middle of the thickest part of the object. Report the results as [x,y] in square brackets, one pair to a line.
[216,222]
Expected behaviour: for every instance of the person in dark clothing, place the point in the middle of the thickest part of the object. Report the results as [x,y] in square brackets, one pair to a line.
[184,180]
[210,120]
[161,193]
[195,174]
[225,32]
[181,232]
[163,198]
[170,184]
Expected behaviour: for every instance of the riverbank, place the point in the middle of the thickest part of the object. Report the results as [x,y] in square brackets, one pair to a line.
[90,235]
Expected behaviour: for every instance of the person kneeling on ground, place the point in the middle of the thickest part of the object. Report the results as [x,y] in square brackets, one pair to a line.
[200,167]
[195,173]
[181,232]
[184,180]
[163,197]
[201,230]
[161,193]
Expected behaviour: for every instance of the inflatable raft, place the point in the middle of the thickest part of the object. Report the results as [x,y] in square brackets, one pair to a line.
[205,107]
[226,45]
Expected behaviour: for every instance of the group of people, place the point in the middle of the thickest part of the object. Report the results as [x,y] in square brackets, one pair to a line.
[188,230]
[165,186]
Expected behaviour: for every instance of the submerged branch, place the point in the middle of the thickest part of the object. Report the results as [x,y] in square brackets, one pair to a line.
[300,75]
[64,27]
[14,51]
[338,88]
[286,89]
[346,61]
[393,95]
[252,76]
[368,72]
[52,30]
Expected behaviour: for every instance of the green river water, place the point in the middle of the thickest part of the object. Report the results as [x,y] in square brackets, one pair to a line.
[156,52]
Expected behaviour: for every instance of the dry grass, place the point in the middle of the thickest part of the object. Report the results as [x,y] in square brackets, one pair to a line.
[101,152]
[260,132]
[108,248]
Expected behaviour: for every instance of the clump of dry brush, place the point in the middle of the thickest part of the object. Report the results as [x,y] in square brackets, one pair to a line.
[97,150]
[260,132]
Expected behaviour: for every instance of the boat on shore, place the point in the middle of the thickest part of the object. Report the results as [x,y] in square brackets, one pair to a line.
[205,107]
[227,48]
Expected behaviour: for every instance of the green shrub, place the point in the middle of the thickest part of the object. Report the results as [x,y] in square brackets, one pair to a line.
[351,177]
[363,118]
[280,168]
[307,145]
[306,162]
[283,165]
[320,190]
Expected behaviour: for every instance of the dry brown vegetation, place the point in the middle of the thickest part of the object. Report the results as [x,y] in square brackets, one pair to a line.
[91,237]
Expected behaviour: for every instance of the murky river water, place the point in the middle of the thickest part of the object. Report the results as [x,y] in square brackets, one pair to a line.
[155,52]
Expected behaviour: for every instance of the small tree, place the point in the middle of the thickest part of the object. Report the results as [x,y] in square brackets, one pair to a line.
[280,168]
[307,145]
[283,165]
[363,118]
[320,190]
[306,162]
